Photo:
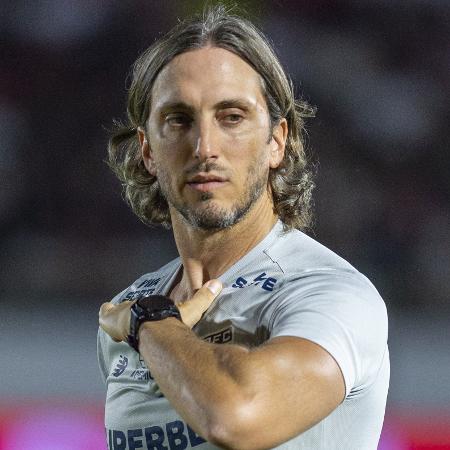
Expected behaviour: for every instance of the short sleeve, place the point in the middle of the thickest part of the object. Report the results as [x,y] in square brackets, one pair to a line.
[344,314]
[101,355]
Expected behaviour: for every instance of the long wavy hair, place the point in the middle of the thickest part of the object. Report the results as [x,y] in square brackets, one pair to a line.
[291,183]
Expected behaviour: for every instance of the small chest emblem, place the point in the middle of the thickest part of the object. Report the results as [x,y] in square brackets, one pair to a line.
[120,366]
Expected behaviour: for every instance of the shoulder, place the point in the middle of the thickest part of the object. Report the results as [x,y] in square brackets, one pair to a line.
[294,251]
[149,283]
[310,269]
[323,298]
[316,278]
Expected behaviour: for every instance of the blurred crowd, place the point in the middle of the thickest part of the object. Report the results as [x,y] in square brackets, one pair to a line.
[378,72]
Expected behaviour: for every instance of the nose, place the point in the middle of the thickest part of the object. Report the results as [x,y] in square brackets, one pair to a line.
[206,145]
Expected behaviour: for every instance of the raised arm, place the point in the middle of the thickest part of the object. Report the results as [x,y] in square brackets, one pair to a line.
[233,396]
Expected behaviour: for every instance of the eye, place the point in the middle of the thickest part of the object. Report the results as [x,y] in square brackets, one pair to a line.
[178,120]
[231,117]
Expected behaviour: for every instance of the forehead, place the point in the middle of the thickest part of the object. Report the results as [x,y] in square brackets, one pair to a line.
[205,77]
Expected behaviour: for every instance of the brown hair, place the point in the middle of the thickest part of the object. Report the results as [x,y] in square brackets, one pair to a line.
[291,183]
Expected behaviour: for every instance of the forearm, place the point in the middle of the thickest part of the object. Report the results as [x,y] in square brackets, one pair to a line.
[228,394]
[204,382]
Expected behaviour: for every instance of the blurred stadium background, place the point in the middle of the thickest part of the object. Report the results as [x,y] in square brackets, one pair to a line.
[379,73]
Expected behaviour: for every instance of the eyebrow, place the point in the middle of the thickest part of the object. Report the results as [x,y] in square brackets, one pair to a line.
[224,104]
[176,106]
[233,103]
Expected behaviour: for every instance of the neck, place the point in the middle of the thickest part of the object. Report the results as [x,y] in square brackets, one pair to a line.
[208,254]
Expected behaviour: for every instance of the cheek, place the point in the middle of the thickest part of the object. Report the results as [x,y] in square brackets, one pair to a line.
[169,167]
[250,154]
[249,141]
[252,161]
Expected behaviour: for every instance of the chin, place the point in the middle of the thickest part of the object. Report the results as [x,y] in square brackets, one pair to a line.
[212,217]
[212,214]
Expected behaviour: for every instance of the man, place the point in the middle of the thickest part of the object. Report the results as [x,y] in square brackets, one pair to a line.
[274,341]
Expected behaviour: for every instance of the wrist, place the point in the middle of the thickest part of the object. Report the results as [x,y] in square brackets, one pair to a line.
[158,329]
[159,326]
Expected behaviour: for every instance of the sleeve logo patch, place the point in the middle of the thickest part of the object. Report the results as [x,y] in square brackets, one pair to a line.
[262,280]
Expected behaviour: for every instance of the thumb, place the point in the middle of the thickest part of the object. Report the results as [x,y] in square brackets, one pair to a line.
[192,310]
[213,286]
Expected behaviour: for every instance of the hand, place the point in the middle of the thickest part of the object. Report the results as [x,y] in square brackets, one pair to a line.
[115,319]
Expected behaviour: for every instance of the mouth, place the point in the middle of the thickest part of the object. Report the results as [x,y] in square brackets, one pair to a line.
[206,182]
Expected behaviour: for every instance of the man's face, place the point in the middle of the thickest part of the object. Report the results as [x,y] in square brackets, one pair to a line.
[208,138]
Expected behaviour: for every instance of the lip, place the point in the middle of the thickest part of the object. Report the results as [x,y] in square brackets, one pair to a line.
[204,182]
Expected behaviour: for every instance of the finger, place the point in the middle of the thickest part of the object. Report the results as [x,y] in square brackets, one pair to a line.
[105,308]
[109,310]
[208,292]
[192,310]
[203,298]
[105,320]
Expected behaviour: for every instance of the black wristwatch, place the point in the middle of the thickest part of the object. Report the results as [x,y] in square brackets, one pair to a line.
[149,308]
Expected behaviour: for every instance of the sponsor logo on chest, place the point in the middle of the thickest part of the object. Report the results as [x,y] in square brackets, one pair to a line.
[220,337]
[146,287]
[262,280]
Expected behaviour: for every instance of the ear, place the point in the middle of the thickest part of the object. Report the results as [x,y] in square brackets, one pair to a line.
[146,152]
[278,143]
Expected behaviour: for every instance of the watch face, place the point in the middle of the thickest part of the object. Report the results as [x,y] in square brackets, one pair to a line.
[153,307]
[155,302]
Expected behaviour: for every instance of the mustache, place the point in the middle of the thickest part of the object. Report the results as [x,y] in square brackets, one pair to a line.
[204,167]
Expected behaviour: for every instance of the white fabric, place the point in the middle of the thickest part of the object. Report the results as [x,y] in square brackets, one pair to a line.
[288,285]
